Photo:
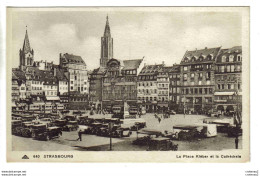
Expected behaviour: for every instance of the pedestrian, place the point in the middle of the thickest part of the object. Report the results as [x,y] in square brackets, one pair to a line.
[155,115]
[159,119]
[79,134]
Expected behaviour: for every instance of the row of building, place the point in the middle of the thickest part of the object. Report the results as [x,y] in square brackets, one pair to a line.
[205,79]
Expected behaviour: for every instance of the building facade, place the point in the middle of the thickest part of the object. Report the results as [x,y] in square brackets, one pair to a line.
[95,87]
[119,84]
[76,69]
[198,79]
[147,87]
[174,88]
[228,80]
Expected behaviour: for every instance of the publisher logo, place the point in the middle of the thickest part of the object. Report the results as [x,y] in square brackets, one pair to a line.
[25,157]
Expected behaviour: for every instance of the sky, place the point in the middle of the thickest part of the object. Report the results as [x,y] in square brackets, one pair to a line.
[158,35]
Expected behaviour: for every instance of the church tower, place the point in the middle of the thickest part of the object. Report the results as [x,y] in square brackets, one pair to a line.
[26,54]
[106,46]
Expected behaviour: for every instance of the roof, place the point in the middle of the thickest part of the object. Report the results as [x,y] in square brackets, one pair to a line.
[60,74]
[131,64]
[72,59]
[19,74]
[236,50]
[202,55]
[174,68]
[151,69]
[99,70]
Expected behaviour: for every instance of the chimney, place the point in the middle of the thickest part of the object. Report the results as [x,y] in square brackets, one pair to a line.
[55,70]
[206,48]
[163,62]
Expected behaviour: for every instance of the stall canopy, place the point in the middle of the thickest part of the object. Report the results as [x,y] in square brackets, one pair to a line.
[52,98]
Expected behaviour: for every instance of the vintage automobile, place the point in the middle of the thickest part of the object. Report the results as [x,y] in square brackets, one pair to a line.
[60,123]
[27,118]
[142,140]
[149,134]
[95,128]
[70,118]
[121,132]
[133,111]
[139,124]
[186,132]
[161,144]
[172,112]
[82,120]
[16,124]
[234,131]
[41,132]
[103,130]
[25,129]
[71,126]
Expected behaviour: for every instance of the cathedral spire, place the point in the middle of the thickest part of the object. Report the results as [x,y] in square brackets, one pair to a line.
[106,46]
[26,43]
[107,29]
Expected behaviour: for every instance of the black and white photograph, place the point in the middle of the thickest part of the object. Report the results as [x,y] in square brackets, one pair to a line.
[163,80]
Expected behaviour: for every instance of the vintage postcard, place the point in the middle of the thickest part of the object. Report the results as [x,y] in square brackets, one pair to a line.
[128,84]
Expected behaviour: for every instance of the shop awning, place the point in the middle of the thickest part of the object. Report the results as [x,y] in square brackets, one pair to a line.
[224,93]
[52,98]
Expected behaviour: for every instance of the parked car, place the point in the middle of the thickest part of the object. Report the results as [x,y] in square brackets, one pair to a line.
[71,126]
[25,129]
[133,111]
[122,132]
[41,132]
[162,144]
[138,125]
[16,124]
[172,112]
[234,131]
[60,123]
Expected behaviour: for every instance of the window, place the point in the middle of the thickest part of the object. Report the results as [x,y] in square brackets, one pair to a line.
[223,86]
[199,82]
[238,86]
[222,69]
[192,75]
[192,83]
[71,88]
[185,68]
[185,76]
[219,86]
[238,68]
[208,75]
[239,58]
[223,58]
[232,68]
[196,91]
[200,75]
[206,90]
[229,86]
[200,90]
[231,58]
[228,68]
[208,82]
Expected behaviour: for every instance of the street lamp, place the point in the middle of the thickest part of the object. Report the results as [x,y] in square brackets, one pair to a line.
[236,120]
